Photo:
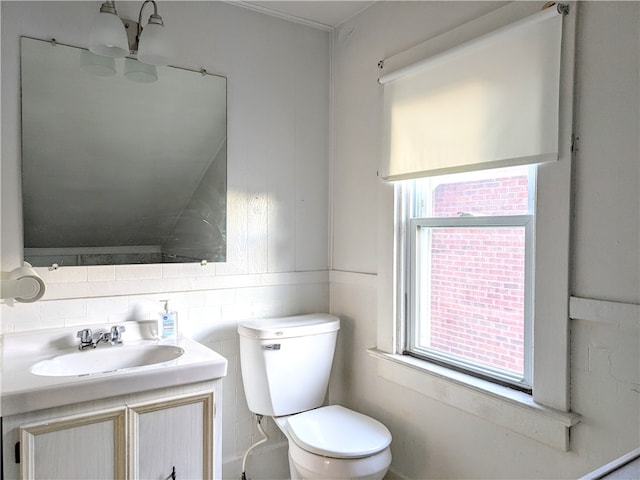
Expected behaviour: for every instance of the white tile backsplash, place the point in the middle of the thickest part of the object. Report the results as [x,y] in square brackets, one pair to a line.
[176,270]
[64,275]
[101,273]
[107,309]
[138,272]
[224,296]
[63,310]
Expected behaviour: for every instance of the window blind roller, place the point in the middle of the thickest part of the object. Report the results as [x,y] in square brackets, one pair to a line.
[490,102]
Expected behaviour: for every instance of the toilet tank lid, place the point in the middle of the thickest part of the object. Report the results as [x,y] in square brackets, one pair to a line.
[286,327]
[337,432]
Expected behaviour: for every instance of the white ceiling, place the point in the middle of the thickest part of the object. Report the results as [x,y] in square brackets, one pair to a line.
[326,13]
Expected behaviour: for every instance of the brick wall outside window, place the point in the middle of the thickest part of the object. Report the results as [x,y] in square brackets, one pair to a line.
[477,275]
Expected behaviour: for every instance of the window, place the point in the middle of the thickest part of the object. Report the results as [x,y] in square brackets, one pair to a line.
[415,147]
[468,272]
[459,127]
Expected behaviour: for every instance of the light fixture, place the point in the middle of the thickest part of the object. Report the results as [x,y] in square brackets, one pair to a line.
[108,36]
[112,36]
[152,41]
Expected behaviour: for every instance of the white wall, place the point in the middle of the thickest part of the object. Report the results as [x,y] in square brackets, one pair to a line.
[432,439]
[278,124]
[607,191]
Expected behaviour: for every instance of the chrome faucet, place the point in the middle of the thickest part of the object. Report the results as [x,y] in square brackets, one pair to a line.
[87,340]
[116,334]
[103,337]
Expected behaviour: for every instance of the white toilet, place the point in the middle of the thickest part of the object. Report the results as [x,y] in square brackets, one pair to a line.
[286,364]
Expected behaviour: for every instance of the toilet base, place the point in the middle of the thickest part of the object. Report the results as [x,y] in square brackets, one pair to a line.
[304,465]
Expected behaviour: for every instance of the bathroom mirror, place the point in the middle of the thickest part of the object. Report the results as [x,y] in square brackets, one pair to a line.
[120,164]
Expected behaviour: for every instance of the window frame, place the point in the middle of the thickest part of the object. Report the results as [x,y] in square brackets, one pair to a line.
[407,265]
[545,415]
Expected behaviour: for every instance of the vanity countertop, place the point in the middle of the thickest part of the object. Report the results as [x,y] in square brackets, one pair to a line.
[23,391]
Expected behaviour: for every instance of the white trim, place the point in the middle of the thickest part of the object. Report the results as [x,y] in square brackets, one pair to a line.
[412,262]
[332,150]
[59,286]
[393,474]
[28,433]
[502,406]
[207,401]
[369,280]
[552,246]
[284,16]
[616,313]
[613,466]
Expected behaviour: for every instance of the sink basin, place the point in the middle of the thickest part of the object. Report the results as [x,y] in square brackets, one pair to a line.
[105,359]
[44,369]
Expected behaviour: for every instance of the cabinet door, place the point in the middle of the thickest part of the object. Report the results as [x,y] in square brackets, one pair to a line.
[172,439]
[80,447]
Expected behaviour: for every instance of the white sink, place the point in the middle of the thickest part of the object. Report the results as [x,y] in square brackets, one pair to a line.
[106,359]
[44,368]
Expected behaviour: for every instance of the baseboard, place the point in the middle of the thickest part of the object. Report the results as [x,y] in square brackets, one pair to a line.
[393,474]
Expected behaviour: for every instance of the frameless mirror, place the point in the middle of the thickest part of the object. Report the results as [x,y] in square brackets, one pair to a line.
[121,163]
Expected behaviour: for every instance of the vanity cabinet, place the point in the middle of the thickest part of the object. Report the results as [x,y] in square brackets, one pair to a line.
[154,435]
[74,448]
[172,438]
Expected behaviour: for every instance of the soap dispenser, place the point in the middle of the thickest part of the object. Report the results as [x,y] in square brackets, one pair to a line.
[168,322]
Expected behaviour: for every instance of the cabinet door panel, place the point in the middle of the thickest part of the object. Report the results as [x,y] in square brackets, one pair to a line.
[175,433]
[82,448]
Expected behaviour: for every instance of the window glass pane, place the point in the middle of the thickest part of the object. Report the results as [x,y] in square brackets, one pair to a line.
[503,191]
[470,302]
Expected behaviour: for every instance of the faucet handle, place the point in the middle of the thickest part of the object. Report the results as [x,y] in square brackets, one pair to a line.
[85,336]
[116,334]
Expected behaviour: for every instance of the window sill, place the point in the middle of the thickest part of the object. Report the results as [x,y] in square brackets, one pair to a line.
[500,405]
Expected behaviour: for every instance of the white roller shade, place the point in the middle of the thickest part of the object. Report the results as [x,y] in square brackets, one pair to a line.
[490,102]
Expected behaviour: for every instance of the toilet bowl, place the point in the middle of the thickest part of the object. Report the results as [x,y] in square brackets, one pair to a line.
[335,442]
[285,364]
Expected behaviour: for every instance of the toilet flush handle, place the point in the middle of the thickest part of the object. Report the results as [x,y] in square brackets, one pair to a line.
[271,346]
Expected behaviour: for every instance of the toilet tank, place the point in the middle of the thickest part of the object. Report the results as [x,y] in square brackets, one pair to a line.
[286,362]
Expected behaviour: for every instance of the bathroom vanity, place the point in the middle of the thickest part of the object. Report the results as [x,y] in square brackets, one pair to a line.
[150,420]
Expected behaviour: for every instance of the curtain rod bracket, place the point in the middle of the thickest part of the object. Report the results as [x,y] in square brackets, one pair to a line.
[381,64]
[563,8]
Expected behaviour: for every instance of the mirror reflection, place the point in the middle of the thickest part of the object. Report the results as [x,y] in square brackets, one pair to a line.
[120,165]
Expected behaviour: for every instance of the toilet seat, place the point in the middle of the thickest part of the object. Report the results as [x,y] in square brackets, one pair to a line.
[338,432]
